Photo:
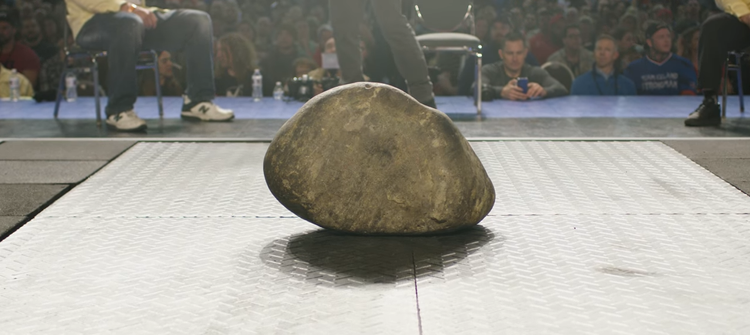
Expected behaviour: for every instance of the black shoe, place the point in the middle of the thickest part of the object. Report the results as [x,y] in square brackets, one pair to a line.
[430,103]
[706,115]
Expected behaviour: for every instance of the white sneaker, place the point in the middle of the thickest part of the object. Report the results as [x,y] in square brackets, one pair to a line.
[126,121]
[205,111]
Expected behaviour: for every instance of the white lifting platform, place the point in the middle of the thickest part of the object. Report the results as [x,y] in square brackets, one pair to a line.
[585,238]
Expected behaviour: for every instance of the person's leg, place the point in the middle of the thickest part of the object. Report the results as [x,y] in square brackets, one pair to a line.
[121,35]
[189,31]
[714,44]
[345,18]
[406,50]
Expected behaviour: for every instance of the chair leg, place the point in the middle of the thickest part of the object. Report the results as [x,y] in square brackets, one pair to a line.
[725,81]
[739,87]
[158,83]
[479,83]
[60,88]
[95,74]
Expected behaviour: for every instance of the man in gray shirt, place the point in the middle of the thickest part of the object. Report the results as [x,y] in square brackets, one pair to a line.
[501,76]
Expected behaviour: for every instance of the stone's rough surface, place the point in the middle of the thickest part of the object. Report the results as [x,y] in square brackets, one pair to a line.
[367,158]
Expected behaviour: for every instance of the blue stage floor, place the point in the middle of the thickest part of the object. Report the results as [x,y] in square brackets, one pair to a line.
[245,108]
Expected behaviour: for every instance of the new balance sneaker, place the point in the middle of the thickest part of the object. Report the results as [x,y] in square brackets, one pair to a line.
[205,111]
[126,121]
[708,114]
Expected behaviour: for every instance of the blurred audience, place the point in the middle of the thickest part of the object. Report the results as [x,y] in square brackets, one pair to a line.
[13,53]
[573,55]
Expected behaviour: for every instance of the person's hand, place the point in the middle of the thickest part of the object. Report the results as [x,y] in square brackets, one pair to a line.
[745,19]
[535,90]
[148,17]
[512,91]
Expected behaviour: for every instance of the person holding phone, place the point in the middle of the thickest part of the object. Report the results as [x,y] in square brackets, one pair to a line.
[503,77]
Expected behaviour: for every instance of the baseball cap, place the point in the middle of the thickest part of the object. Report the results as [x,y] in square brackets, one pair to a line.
[654,27]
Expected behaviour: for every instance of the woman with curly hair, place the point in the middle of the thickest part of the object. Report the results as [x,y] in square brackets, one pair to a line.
[235,62]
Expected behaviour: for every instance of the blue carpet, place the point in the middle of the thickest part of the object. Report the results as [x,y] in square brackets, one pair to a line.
[245,108]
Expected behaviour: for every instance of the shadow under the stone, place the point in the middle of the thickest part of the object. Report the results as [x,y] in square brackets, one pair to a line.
[334,259]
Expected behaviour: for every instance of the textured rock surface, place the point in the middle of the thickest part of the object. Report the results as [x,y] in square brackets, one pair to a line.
[367,158]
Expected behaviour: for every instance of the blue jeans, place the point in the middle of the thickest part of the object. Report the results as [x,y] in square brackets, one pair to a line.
[123,36]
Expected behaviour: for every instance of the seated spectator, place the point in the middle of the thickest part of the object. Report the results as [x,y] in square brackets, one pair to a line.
[325,33]
[26,89]
[13,53]
[168,82]
[306,46]
[278,64]
[304,66]
[235,64]
[124,28]
[247,30]
[501,77]
[32,37]
[51,30]
[547,41]
[603,79]
[500,27]
[661,72]
[578,59]
[263,32]
[49,76]
[625,39]
[586,24]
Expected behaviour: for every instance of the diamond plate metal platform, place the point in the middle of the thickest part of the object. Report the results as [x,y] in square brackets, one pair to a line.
[585,238]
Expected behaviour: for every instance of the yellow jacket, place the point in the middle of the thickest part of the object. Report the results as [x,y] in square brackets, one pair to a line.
[26,89]
[737,8]
[80,11]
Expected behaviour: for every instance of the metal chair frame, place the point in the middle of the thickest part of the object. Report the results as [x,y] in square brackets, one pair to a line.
[735,66]
[71,56]
[466,50]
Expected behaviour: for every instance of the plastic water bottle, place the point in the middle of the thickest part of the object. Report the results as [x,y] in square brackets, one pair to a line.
[15,86]
[257,85]
[278,91]
[71,87]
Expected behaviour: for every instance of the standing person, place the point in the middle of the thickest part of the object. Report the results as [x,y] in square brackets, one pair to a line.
[410,61]
[123,29]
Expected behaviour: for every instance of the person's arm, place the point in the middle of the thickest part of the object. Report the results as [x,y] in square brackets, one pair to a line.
[551,86]
[737,8]
[492,75]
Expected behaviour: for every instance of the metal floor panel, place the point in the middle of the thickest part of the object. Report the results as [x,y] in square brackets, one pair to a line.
[187,276]
[585,237]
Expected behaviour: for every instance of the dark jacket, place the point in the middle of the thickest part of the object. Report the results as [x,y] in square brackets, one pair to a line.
[494,76]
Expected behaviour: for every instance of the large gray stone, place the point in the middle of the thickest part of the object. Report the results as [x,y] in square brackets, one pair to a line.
[367,158]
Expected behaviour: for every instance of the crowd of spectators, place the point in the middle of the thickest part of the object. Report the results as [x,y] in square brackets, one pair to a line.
[287,38]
